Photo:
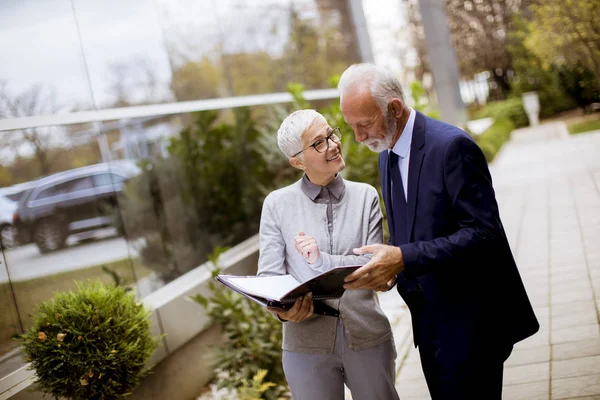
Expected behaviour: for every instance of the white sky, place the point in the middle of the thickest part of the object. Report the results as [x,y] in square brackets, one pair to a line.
[386,21]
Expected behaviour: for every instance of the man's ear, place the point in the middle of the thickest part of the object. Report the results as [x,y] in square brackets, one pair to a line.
[297,163]
[395,108]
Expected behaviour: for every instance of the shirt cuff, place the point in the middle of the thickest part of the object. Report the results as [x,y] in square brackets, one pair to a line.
[393,283]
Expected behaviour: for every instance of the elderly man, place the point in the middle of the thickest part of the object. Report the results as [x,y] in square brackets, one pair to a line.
[448,253]
[310,227]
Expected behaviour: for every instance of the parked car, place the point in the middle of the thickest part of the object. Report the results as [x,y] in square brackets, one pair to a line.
[7,209]
[70,202]
[9,198]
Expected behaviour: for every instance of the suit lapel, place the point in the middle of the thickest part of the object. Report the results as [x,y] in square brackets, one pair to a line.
[385,187]
[417,152]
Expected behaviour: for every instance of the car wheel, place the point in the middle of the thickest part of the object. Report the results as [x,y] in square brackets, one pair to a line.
[7,235]
[49,235]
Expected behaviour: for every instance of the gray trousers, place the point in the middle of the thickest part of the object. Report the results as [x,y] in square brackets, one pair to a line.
[369,374]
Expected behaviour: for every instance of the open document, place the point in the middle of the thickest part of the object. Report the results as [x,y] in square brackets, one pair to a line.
[281,291]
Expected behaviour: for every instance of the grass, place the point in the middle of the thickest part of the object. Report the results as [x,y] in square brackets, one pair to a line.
[492,140]
[585,126]
[29,293]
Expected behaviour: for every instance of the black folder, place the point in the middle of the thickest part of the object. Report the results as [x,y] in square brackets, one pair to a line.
[281,291]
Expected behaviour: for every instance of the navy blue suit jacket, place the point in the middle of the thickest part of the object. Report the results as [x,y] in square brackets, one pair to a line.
[457,249]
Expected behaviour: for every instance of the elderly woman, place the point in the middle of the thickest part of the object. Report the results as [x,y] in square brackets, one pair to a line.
[310,227]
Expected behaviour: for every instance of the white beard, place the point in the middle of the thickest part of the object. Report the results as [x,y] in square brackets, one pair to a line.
[379,145]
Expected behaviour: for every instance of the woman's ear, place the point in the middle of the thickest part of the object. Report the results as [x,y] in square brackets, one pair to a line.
[297,163]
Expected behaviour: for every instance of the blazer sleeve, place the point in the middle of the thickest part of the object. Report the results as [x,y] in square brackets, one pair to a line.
[271,259]
[375,235]
[473,202]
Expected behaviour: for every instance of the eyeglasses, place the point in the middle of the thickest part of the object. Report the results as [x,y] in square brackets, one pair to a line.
[322,145]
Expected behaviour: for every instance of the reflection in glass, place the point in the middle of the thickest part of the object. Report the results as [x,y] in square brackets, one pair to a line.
[10,324]
[64,220]
[235,48]
[145,200]
[41,71]
[205,192]
[124,50]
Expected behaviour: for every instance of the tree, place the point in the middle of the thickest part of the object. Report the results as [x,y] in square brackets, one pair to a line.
[196,80]
[567,32]
[305,59]
[6,178]
[253,73]
[32,102]
[135,82]
[581,84]
[417,34]
[479,30]
[532,74]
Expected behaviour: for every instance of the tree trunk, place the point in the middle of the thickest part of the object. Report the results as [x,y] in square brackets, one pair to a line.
[42,157]
[503,85]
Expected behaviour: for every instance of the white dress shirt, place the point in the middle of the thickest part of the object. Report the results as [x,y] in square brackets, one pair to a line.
[402,149]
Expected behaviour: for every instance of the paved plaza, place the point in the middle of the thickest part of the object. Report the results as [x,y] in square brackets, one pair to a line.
[548,188]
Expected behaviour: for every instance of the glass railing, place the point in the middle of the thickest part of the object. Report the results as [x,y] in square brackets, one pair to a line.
[136,200]
[137,136]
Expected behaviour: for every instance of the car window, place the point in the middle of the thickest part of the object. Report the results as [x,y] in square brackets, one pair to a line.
[80,184]
[15,196]
[71,186]
[107,179]
[48,192]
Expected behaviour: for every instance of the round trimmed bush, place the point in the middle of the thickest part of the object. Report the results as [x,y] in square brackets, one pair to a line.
[90,344]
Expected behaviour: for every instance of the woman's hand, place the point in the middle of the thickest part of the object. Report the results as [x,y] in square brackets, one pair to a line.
[308,247]
[302,310]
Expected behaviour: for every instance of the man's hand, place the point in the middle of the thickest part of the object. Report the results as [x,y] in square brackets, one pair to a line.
[379,272]
[302,310]
[308,247]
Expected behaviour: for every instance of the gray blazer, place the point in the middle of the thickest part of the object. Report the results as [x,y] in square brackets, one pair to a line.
[357,221]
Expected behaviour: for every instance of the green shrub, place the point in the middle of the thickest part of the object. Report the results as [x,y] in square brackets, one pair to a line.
[207,192]
[511,109]
[494,138]
[91,344]
[253,389]
[553,98]
[421,101]
[585,126]
[253,339]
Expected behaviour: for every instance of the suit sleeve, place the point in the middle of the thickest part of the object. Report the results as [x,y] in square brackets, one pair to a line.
[375,235]
[473,203]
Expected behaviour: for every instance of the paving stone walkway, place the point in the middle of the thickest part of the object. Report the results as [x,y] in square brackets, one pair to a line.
[548,187]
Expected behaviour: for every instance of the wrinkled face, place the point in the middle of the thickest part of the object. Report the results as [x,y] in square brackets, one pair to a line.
[328,163]
[371,127]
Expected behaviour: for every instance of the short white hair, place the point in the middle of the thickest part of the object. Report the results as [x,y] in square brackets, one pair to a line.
[289,135]
[382,84]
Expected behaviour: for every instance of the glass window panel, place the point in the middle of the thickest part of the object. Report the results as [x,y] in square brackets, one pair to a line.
[192,182]
[193,36]
[124,48]
[48,76]
[65,238]
[9,318]
[204,189]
